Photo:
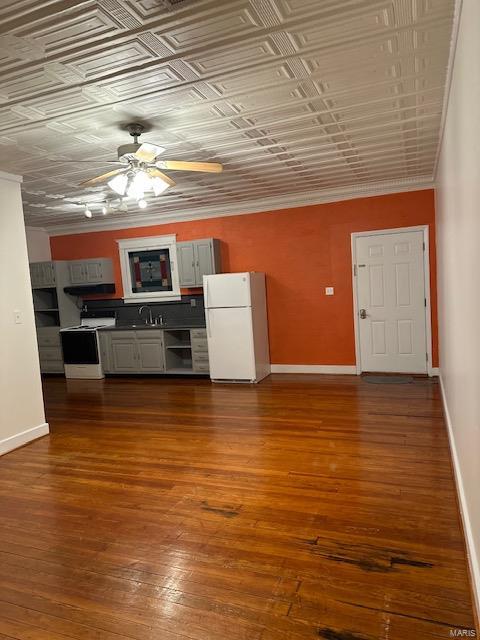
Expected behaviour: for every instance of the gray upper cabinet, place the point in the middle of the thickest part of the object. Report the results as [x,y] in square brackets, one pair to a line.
[196,259]
[186,264]
[53,309]
[205,258]
[93,271]
[42,274]
[77,273]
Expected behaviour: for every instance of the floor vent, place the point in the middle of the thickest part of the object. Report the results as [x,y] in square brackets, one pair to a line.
[388,379]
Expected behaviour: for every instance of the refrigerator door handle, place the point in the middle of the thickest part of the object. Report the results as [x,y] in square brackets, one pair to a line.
[207,320]
[205,293]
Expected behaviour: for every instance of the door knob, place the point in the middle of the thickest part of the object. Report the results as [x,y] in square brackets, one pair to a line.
[363,314]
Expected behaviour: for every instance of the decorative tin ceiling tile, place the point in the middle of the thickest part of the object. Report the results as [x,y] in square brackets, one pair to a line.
[297,98]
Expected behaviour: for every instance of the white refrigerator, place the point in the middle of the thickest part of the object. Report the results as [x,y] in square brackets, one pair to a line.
[237,330]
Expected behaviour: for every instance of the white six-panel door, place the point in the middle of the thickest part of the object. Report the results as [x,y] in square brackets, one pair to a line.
[390,286]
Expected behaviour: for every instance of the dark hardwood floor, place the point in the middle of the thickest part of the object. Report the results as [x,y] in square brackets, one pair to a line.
[165,509]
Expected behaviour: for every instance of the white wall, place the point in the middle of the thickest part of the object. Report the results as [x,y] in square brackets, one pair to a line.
[22,415]
[38,244]
[458,242]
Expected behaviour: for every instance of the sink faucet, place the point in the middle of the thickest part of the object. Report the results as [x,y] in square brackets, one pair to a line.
[159,320]
[150,319]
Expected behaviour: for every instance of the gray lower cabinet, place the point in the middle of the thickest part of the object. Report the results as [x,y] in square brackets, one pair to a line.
[196,259]
[132,351]
[150,350]
[50,350]
[180,351]
[104,345]
[124,355]
[200,363]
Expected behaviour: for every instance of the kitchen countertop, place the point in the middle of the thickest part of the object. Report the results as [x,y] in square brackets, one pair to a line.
[149,327]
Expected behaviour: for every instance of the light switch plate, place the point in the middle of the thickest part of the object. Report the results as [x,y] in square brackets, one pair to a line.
[329,291]
[17,316]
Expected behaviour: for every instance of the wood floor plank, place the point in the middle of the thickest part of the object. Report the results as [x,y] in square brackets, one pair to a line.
[304,507]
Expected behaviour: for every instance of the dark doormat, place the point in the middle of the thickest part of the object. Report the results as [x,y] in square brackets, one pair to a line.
[388,379]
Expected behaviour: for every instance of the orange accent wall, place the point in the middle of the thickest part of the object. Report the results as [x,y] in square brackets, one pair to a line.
[302,251]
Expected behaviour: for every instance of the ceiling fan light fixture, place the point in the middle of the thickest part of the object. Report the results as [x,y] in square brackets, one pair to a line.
[119,184]
[159,185]
[108,207]
[138,185]
[142,203]
[88,213]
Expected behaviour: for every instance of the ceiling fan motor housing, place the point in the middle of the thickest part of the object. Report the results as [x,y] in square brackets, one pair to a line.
[127,151]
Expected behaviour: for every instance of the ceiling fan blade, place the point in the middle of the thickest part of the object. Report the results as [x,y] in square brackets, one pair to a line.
[148,152]
[155,173]
[103,178]
[89,161]
[176,165]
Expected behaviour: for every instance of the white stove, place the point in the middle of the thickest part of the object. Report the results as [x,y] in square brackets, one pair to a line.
[81,354]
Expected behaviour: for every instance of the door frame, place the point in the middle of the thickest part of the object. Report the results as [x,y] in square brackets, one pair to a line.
[424,228]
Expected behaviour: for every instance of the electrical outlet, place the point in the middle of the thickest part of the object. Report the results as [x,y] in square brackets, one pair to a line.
[17,316]
[193,302]
[329,291]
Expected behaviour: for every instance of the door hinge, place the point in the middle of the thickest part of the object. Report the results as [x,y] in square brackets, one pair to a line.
[423,243]
[425,302]
[426,357]
[354,269]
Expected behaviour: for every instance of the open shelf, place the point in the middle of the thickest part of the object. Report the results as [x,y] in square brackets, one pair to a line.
[178,357]
[47,318]
[45,300]
[177,338]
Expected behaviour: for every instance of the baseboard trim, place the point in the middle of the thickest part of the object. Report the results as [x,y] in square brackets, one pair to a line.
[315,368]
[467,527]
[19,439]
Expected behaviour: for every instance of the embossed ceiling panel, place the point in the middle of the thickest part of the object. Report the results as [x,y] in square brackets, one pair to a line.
[297,98]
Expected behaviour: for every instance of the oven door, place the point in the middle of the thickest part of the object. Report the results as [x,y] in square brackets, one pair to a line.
[79,347]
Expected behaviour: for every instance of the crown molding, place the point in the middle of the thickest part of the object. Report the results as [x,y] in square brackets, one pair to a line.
[457,14]
[30,228]
[243,208]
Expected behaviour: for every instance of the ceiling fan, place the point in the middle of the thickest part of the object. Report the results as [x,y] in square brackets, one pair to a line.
[141,170]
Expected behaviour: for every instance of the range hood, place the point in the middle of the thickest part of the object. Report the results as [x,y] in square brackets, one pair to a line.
[88,289]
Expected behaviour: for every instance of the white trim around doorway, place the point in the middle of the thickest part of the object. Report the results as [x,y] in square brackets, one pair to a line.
[431,371]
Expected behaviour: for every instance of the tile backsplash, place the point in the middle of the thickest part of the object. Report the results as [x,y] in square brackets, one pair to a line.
[188,310]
